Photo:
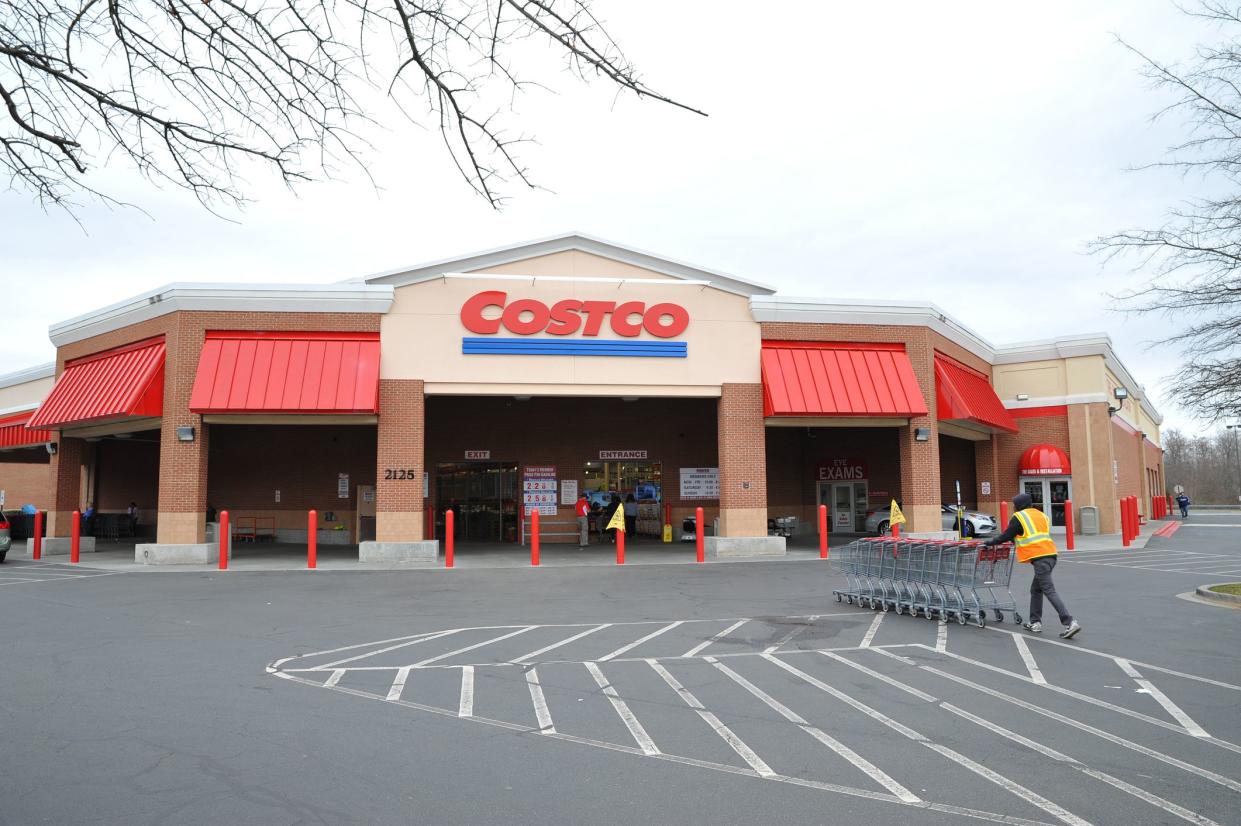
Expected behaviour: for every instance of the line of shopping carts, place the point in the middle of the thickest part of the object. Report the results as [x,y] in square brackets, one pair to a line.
[939,579]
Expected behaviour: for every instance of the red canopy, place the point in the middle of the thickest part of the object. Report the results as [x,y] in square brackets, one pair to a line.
[270,372]
[1044,460]
[835,379]
[962,394]
[14,433]
[116,384]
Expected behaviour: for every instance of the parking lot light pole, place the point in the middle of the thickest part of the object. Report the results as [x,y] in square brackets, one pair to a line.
[1236,441]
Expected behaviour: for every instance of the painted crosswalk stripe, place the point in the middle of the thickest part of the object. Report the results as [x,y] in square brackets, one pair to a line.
[735,743]
[1023,649]
[1128,788]
[334,678]
[870,769]
[870,672]
[405,643]
[631,722]
[476,645]
[465,707]
[787,638]
[941,637]
[541,712]
[702,645]
[1000,780]
[874,629]
[1163,700]
[639,641]
[398,684]
[539,652]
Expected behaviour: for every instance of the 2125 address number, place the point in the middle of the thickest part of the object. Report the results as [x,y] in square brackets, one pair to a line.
[399,473]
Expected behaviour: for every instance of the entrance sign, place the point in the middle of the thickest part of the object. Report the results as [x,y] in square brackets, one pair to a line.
[478,454]
[622,454]
[700,483]
[527,316]
[842,470]
[538,489]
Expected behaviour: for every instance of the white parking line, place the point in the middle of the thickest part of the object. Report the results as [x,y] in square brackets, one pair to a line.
[465,707]
[735,743]
[908,689]
[870,769]
[636,729]
[420,639]
[334,678]
[398,684]
[787,638]
[475,646]
[1026,657]
[523,658]
[639,641]
[1163,700]
[874,629]
[541,712]
[941,637]
[702,645]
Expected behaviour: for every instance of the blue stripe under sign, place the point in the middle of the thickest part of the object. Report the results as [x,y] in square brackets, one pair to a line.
[573,347]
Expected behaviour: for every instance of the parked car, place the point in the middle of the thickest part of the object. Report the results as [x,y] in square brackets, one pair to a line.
[6,538]
[973,523]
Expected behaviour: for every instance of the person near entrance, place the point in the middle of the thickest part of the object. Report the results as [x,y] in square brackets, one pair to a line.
[1030,529]
[1182,502]
[582,509]
[631,515]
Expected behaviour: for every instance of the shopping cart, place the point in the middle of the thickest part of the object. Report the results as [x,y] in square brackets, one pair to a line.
[938,579]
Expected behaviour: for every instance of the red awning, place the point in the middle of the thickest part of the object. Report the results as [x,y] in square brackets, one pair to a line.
[835,379]
[962,394]
[262,372]
[14,433]
[115,384]
[1044,460]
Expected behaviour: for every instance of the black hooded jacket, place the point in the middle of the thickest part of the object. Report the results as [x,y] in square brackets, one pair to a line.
[1020,502]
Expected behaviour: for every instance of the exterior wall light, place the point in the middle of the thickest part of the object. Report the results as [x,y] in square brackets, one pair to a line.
[922,434]
[521,398]
[1121,394]
[1023,397]
[51,448]
[185,434]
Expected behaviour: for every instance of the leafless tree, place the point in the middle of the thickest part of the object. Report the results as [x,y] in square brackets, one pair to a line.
[1208,467]
[198,93]
[1195,256]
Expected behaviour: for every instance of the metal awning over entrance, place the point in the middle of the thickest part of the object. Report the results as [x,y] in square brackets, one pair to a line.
[858,382]
[14,433]
[287,373]
[965,398]
[112,386]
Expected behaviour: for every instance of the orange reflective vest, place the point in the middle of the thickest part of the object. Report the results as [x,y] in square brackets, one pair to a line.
[1035,537]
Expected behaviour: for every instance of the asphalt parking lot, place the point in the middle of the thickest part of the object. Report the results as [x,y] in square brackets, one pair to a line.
[730,693]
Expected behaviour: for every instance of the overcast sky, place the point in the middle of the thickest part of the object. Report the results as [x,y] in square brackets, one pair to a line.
[960,152]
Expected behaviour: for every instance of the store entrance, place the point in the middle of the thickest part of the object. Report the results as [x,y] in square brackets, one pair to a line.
[483,498]
[846,503]
[1049,496]
[641,478]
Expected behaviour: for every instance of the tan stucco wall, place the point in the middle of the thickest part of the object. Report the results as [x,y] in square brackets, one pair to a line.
[422,334]
[26,394]
[1033,378]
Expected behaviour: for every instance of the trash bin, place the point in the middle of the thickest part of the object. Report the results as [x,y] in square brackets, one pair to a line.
[1090,520]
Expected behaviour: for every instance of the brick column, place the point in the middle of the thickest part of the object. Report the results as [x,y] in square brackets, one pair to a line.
[920,489]
[399,502]
[65,488]
[182,505]
[987,469]
[743,461]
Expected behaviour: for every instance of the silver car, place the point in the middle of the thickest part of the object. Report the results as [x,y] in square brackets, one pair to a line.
[6,538]
[973,523]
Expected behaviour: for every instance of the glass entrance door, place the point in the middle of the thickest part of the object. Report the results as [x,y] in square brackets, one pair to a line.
[1049,496]
[483,498]
[846,502]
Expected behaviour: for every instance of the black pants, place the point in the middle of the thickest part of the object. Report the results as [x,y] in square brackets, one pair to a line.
[1042,586]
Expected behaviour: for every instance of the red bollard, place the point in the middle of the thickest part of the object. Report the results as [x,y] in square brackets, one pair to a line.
[896,531]
[1003,516]
[700,547]
[449,539]
[37,551]
[1068,524]
[620,547]
[822,531]
[312,538]
[75,538]
[224,536]
[534,538]
[1124,522]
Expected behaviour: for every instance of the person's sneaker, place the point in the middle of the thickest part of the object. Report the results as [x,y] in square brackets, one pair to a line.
[1033,627]
[1071,632]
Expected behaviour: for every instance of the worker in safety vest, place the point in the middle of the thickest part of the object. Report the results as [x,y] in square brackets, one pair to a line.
[1030,531]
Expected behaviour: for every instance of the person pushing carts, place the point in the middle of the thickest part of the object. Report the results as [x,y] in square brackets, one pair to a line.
[1030,530]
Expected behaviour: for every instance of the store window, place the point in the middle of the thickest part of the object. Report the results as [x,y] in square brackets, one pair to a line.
[606,480]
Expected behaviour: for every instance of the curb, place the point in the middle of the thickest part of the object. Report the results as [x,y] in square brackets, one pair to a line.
[1205,592]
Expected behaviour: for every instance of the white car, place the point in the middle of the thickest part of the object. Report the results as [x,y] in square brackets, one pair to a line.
[973,523]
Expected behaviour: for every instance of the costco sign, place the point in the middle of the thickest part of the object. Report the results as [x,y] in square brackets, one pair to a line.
[490,312]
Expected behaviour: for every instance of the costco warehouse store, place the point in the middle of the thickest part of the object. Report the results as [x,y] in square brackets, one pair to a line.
[508,381]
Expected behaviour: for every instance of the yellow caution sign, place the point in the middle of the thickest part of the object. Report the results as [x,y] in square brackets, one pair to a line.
[667,533]
[896,517]
[617,522]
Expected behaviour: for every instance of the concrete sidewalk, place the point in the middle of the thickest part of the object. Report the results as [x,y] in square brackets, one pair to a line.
[119,556]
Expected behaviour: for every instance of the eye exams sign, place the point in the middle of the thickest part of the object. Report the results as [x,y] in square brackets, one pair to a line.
[571,327]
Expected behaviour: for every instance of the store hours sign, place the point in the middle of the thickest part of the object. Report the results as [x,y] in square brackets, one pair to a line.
[700,483]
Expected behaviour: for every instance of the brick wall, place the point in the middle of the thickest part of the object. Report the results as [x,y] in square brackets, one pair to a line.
[25,482]
[795,453]
[401,446]
[957,462]
[127,470]
[742,447]
[1052,429]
